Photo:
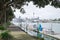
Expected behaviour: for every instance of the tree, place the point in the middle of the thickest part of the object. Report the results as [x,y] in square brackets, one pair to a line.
[9,15]
[59,19]
[6,5]
[5,12]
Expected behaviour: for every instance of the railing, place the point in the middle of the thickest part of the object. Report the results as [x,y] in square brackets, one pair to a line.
[49,37]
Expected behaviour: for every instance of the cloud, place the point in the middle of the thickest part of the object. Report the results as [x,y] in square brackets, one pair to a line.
[49,12]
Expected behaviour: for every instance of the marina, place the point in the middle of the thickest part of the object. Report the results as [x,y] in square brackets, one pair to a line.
[28,28]
[36,28]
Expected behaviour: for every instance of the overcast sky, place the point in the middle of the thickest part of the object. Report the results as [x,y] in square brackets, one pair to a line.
[49,12]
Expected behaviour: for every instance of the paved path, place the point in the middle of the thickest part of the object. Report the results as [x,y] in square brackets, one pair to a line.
[22,36]
[14,28]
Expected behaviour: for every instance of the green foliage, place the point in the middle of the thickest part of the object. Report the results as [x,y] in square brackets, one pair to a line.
[40,3]
[19,3]
[56,3]
[2,28]
[9,14]
[6,36]
[8,23]
[59,19]
[38,38]
[55,20]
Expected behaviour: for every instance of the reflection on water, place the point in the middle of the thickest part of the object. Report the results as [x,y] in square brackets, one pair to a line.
[55,26]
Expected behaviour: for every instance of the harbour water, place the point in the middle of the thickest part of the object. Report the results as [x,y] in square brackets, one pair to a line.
[55,26]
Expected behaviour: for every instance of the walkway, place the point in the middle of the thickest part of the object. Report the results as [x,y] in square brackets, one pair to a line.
[22,36]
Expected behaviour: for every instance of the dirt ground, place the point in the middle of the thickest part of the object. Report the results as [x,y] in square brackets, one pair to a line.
[22,36]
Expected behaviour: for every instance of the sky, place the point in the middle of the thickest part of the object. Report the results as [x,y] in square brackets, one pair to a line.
[48,12]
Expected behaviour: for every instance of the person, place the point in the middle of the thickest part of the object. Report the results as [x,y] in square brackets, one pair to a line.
[40,27]
[39,30]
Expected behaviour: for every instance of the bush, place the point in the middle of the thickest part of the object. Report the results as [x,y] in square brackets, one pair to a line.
[8,23]
[6,36]
[2,28]
[40,38]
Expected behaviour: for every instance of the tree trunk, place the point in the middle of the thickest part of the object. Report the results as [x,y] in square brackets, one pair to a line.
[2,17]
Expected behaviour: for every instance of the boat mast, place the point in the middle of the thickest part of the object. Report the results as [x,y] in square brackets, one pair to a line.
[51,26]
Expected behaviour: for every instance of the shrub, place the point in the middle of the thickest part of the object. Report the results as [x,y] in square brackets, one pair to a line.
[8,23]
[6,36]
[40,38]
[2,28]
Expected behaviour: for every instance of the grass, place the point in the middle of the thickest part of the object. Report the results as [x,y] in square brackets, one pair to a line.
[22,36]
